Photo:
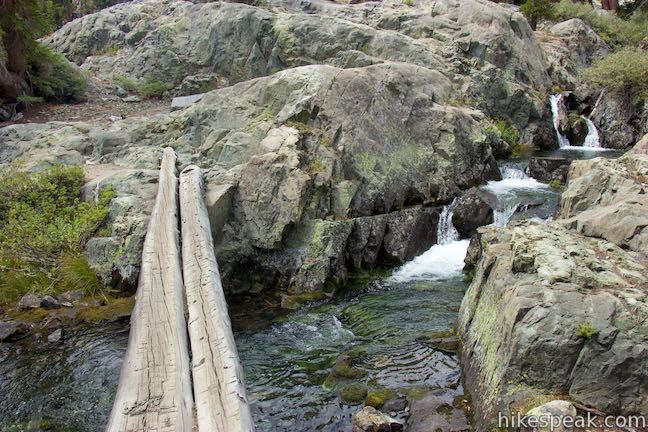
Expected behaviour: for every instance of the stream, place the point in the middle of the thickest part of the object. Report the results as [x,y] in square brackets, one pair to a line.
[379,332]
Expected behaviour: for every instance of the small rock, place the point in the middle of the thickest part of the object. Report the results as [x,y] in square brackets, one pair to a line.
[17,117]
[56,336]
[50,302]
[11,330]
[29,301]
[115,118]
[121,92]
[132,99]
[556,408]
[71,296]
[66,304]
[372,420]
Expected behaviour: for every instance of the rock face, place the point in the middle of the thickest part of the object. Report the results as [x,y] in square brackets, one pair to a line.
[553,310]
[473,210]
[314,171]
[197,47]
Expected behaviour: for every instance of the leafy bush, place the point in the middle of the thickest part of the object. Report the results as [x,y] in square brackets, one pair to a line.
[44,225]
[624,69]
[52,76]
[535,10]
[613,29]
[505,131]
[150,87]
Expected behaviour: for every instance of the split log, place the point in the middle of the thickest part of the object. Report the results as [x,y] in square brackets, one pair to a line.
[218,379]
[154,392]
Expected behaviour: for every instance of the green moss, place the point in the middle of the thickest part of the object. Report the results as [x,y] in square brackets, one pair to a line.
[377,398]
[586,330]
[365,48]
[316,166]
[150,87]
[555,184]
[409,3]
[112,309]
[296,300]
[353,394]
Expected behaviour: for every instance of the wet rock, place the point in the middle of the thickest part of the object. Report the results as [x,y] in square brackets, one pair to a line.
[49,302]
[11,330]
[555,411]
[577,131]
[2,311]
[474,252]
[447,344]
[29,301]
[432,413]
[353,394]
[546,169]
[372,420]
[473,211]
[395,405]
[55,336]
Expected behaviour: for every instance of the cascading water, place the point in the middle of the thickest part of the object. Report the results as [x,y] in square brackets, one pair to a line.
[592,140]
[555,101]
[446,231]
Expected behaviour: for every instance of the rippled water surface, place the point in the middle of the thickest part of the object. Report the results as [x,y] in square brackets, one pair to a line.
[67,386]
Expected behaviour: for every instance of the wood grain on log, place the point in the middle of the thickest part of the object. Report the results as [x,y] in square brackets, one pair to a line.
[154,392]
[218,379]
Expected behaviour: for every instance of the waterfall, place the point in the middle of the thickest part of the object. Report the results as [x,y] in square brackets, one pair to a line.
[501,216]
[555,115]
[592,140]
[514,171]
[446,232]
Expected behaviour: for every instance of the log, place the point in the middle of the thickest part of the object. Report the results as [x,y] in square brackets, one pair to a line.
[218,378]
[154,391]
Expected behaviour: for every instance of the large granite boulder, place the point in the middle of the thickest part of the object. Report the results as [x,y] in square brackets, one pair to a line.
[310,172]
[488,50]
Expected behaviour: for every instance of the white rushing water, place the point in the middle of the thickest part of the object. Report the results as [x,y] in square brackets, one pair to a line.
[443,260]
[592,140]
[555,115]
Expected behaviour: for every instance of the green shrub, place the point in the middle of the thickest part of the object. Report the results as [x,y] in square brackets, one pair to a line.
[505,131]
[624,69]
[536,10]
[613,29]
[586,330]
[152,87]
[52,76]
[44,226]
[30,100]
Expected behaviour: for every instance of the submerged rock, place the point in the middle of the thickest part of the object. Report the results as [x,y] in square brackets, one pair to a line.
[432,413]
[372,420]
[55,336]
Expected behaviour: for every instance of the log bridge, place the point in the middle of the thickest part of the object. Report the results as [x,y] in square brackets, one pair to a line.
[179,375]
